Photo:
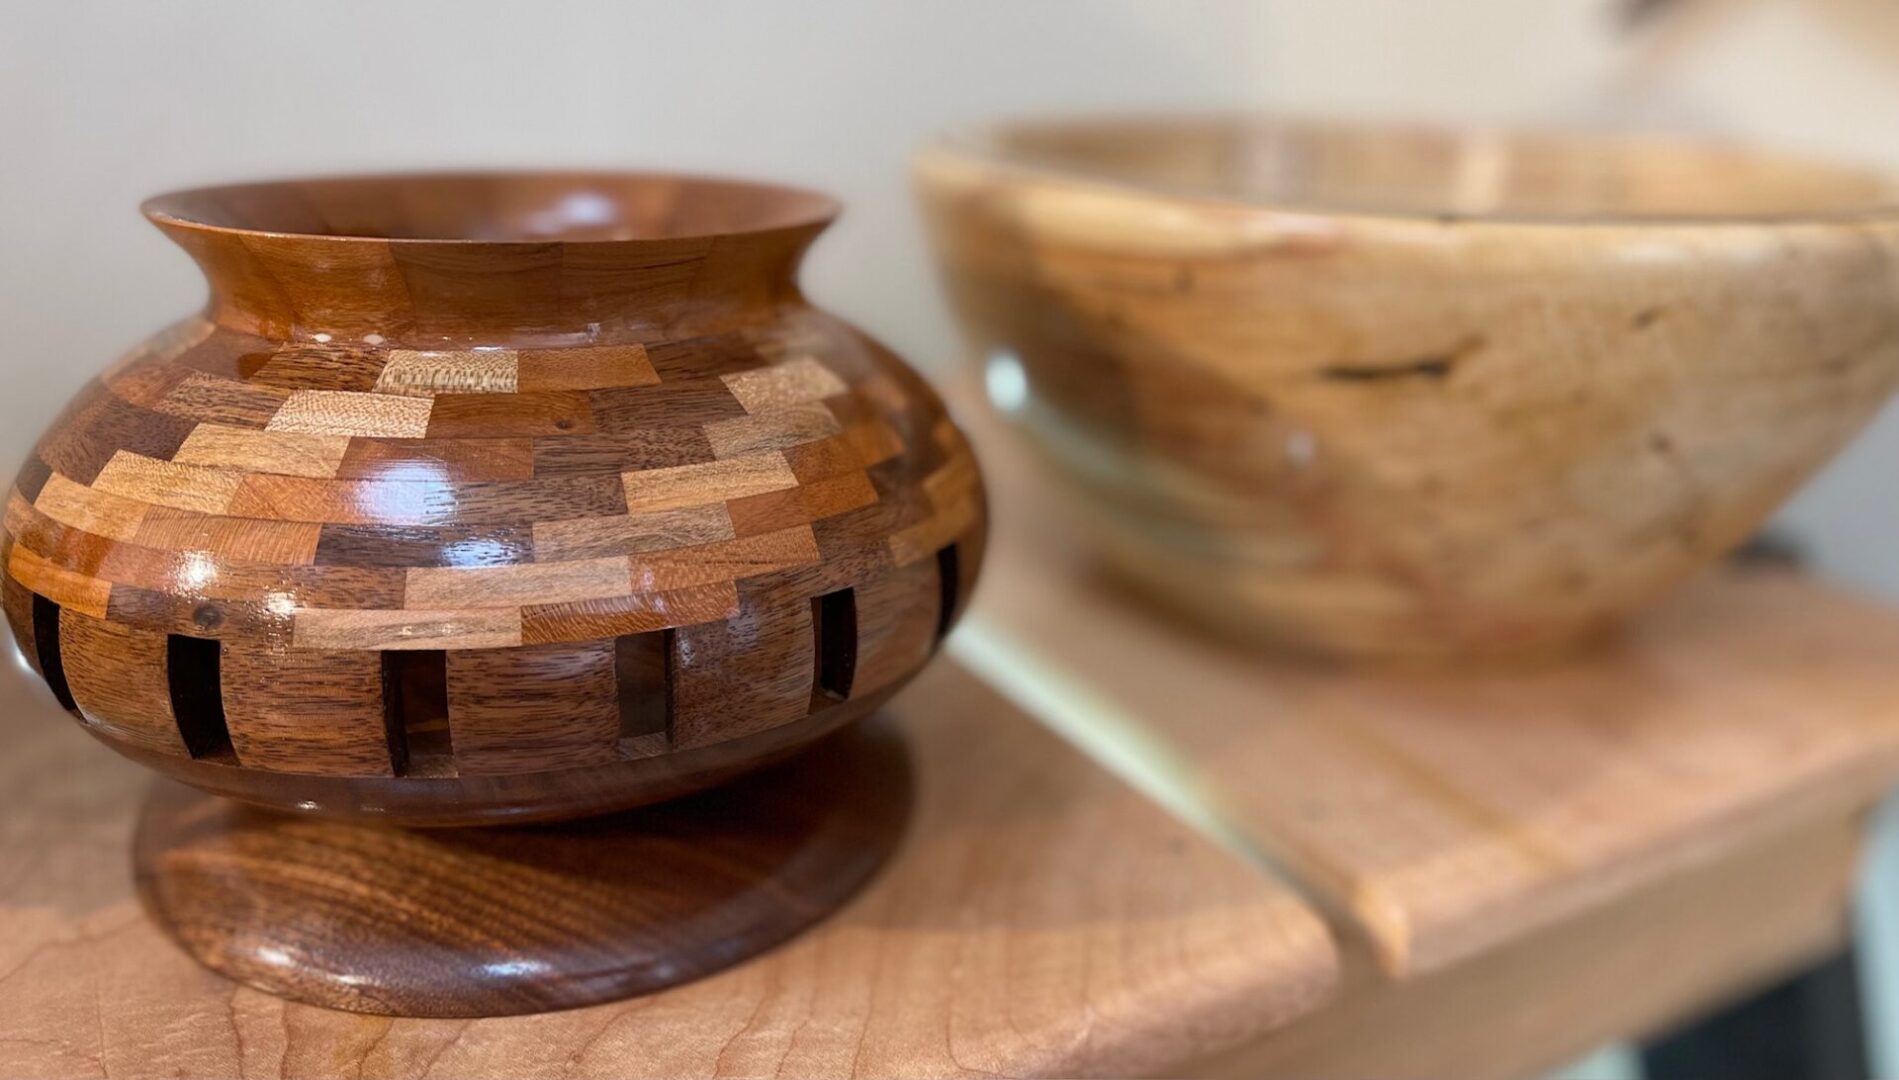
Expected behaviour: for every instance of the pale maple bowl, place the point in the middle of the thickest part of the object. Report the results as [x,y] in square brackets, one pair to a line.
[1395,392]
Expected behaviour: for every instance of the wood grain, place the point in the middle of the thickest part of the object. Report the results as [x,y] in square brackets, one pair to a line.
[118,678]
[307,710]
[281,452]
[1636,967]
[613,907]
[692,485]
[424,374]
[1017,941]
[347,412]
[1326,393]
[1444,816]
[496,729]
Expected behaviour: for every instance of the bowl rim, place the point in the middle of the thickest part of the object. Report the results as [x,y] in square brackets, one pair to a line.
[981,144]
[806,208]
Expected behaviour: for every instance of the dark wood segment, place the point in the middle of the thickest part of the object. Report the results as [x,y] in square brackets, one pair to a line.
[713,355]
[897,621]
[103,425]
[118,677]
[518,415]
[612,483]
[425,501]
[687,401]
[415,698]
[483,458]
[306,710]
[403,546]
[643,673]
[487,922]
[173,613]
[34,474]
[222,401]
[319,367]
[643,448]
[19,609]
[744,674]
[496,728]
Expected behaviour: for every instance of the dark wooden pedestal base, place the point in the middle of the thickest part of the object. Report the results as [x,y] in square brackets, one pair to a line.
[496,921]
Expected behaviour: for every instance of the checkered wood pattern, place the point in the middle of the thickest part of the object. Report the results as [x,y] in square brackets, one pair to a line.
[310,507]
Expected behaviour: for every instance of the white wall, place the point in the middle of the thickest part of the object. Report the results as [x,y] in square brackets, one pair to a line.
[103,103]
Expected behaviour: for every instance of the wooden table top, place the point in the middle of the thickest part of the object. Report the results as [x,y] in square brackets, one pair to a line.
[1041,917]
[1444,816]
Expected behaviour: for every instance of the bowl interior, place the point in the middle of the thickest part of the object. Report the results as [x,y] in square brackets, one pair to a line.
[1416,171]
[497,207]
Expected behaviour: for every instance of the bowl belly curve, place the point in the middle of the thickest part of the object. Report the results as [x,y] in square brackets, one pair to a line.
[1387,436]
[454,585]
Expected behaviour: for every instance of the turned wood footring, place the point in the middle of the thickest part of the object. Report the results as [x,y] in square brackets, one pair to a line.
[505,920]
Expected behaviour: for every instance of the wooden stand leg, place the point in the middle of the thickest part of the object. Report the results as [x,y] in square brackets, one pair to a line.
[496,921]
[1809,1027]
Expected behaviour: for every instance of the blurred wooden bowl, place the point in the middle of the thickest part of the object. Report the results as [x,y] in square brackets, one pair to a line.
[1395,392]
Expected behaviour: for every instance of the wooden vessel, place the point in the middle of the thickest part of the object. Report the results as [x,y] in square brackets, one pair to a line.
[490,498]
[1389,392]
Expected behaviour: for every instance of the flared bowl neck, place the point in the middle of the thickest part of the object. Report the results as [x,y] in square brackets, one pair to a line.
[510,259]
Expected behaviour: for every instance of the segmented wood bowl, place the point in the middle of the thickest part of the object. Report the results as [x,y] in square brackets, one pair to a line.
[489,497]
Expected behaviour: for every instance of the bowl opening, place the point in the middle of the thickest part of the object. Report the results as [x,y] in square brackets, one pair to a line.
[1425,172]
[496,207]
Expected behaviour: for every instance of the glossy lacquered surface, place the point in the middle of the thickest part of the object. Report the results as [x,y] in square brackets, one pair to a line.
[1385,392]
[489,496]
[493,922]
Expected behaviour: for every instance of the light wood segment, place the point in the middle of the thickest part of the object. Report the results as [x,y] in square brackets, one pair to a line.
[342,628]
[773,429]
[1632,969]
[586,368]
[117,676]
[496,729]
[20,514]
[1445,816]
[695,485]
[685,527]
[100,513]
[67,588]
[167,483]
[508,586]
[1018,942]
[924,539]
[306,710]
[425,374]
[774,510]
[639,613]
[348,412]
[281,452]
[790,383]
[725,561]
